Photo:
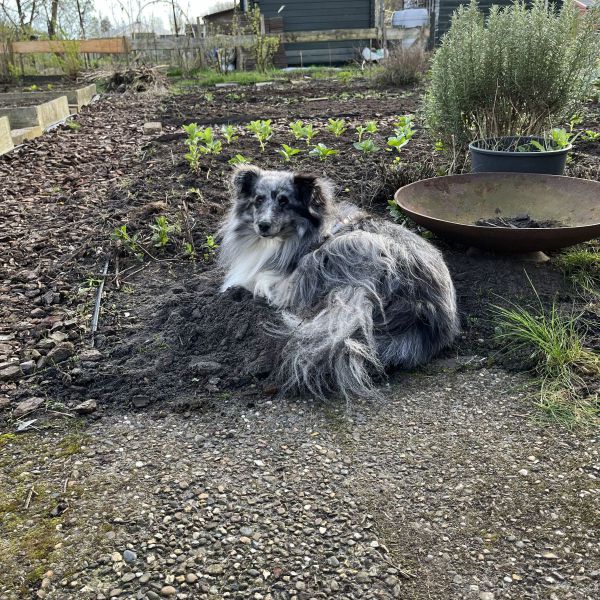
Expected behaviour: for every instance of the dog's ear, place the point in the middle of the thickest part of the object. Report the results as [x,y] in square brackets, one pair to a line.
[243,180]
[314,192]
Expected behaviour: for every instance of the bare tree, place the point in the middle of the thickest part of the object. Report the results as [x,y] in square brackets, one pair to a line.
[53,20]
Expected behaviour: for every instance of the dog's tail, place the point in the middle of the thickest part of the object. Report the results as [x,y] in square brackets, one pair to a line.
[336,349]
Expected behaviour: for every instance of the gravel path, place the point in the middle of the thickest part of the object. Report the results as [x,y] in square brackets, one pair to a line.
[449,489]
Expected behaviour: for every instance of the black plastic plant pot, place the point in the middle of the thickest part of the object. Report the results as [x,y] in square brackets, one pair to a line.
[484,159]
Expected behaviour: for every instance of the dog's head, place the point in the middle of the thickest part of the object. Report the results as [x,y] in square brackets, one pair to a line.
[279,203]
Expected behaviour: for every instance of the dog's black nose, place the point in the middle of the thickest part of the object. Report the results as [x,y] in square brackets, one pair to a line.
[264,226]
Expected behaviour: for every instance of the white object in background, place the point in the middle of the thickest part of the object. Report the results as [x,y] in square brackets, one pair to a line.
[373,55]
[410,17]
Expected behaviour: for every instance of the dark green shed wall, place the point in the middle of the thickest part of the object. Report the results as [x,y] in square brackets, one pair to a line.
[316,15]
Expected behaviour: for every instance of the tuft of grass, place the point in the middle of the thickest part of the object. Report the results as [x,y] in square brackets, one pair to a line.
[582,266]
[563,363]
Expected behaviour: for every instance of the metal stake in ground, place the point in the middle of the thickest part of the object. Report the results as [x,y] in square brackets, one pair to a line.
[96,314]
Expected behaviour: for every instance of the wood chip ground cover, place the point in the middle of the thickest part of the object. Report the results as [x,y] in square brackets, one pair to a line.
[217,487]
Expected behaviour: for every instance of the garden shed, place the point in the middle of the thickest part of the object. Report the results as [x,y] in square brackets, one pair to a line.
[320,15]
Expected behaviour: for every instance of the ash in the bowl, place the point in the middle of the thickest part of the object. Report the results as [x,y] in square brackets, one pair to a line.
[518,222]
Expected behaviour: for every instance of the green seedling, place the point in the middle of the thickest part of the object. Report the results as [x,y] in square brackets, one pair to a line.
[287,153]
[162,230]
[323,152]
[367,147]
[439,146]
[395,212]
[73,125]
[303,132]
[590,136]
[210,247]
[298,131]
[368,127]
[238,159]
[228,132]
[336,126]
[129,241]
[192,142]
[209,96]
[262,131]
[371,127]
[189,251]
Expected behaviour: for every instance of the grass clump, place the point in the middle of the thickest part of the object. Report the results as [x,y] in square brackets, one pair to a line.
[562,362]
[517,72]
[403,66]
[582,266]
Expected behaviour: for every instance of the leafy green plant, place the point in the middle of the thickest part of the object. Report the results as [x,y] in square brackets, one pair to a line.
[262,131]
[590,136]
[303,132]
[297,128]
[336,126]
[514,73]
[121,235]
[210,247]
[367,146]
[395,212]
[189,250]
[287,152]
[323,152]
[73,125]
[229,133]
[238,159]
[162,230]
[368,127]
[193,154]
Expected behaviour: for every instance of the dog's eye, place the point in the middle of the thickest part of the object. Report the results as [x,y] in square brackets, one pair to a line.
[259,200]
[283,200]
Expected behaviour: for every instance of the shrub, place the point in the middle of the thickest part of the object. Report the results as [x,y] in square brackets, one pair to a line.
[403,66]
[517,72]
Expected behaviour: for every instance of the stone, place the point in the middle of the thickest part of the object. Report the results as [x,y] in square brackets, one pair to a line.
[10,372]
[4,402]
[127,577]
[332,561]
[61,353]
[86,408]
[129,556]
[115,593]
[362,577]
[214,569]
[91,355]
[191,578]
[28,406]
[140,401]
[524,472]
[116,557]
[168,590]
[152,127]
[201,366]
[486,596]
[28,367]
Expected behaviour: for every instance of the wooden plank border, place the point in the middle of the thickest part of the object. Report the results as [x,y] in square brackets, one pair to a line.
[118,45]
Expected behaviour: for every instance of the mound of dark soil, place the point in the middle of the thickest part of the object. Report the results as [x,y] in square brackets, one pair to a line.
[193,338]
[518,222]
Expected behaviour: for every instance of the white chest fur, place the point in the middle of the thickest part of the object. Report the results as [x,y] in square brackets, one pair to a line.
[248,268]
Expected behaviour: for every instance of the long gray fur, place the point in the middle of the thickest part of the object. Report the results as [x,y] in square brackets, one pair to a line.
[357,294]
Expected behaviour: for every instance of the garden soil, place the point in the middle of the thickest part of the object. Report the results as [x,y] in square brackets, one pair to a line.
[183,471]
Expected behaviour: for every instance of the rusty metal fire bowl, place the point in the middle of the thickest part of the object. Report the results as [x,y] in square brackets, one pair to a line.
[450,206]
